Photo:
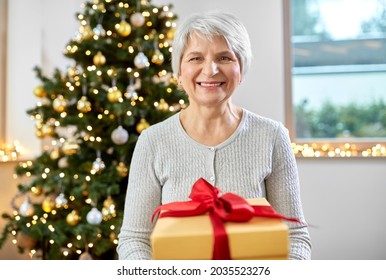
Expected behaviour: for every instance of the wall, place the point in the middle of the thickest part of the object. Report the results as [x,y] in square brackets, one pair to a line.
[344,199]
[38,31]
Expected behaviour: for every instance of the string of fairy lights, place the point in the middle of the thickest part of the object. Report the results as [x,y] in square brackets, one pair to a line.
[344,150]
[12,152]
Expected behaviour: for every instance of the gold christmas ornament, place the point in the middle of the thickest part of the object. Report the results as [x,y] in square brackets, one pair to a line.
[99,59]
[40,92]
[72,71]
[83,105]
[39,134]
[170,33]
[73,218]
[114,94]
[47,130]
[48,204]
[59,104]
[86,32]
[123,28]
[70,148]
[38,127]
[37,190]
[108,202]
[163,105]
[158,57]
[101,7]
[122,169]
[108,210]
[113,236]
[55,154]
[143,124]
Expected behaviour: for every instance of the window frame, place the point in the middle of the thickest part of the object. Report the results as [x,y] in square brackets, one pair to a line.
[315,147]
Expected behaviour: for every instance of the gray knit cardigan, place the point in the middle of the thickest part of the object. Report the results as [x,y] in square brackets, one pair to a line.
[255,161]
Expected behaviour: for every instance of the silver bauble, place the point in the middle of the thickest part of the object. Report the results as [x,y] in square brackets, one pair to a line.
[60,200]
[141,60]
[137,19]
[94,217]
[26,209]
[99,30]
[119,135]
[98,165]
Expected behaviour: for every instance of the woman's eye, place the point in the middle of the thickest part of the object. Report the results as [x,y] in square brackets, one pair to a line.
[225,58]
[195,59]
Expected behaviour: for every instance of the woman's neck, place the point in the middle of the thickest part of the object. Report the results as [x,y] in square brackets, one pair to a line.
[210,126]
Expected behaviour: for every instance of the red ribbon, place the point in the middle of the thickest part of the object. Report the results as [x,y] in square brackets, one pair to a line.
[227,207]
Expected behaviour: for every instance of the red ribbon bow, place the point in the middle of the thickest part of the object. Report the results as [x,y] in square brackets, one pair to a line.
[228,207]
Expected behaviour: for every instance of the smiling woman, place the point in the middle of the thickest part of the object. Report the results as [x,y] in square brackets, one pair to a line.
[209,72]
[212,138]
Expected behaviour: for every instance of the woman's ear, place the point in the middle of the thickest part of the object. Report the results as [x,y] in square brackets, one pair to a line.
[179,82]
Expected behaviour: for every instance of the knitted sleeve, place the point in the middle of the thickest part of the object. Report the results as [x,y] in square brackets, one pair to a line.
[283,192]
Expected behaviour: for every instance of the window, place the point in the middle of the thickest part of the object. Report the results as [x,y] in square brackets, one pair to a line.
[336,60]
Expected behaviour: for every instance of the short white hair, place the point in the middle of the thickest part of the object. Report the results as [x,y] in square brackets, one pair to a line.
[210,24]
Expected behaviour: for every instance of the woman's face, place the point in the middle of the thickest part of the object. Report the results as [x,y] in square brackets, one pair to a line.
[209,71]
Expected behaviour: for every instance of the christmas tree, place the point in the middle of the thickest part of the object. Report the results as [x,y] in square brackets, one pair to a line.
[91,114]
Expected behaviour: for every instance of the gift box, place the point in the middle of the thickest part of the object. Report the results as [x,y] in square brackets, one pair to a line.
[192,237]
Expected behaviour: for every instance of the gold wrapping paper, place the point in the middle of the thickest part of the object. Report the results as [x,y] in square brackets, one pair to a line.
[191,238]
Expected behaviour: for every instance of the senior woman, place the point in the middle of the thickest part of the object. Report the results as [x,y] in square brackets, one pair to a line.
[229,146]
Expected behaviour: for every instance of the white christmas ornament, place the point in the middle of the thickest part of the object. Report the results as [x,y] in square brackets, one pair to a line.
[119,135]
[26,209]
[94,217]
[137,19]
[98,165]
[63,163]
[99,30]
[141,61]
[60,200]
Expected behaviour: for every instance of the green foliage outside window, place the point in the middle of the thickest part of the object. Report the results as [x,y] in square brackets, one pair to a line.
[336,121]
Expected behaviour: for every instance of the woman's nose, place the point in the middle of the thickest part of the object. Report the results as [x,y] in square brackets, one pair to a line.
[210,68]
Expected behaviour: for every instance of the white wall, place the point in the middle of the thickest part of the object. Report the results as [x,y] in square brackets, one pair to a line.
[38,31]
[344,198]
